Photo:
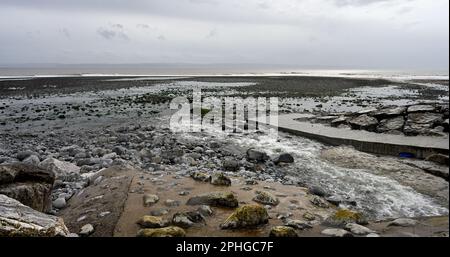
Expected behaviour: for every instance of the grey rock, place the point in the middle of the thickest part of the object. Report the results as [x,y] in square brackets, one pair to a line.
[256,155]
[358,229]
[187,219]
[403,222]
[387,125]
[86,230]
[421,108]
[150,199]
[219,179]
[219,199]
[297,224]
[30,185]
[339,121]
[266,198]
[319,191]
[425,118]
[333,232]
[25,154]
[230,164]
[319,202]
[284,158]
[32,160]
[62,170]
[205,210]
[389,112]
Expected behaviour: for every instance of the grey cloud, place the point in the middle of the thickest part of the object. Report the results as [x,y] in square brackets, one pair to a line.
[112,32]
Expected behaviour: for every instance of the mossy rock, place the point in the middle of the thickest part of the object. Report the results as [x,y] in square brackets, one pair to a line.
[218,199]
[247,216]
[162,232]
[282,231]
[343,216]
[152,222]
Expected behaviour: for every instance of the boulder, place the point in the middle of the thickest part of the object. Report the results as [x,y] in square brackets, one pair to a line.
[19,220]
[219,179]
[365,122]
[59,203]
[282,231]
[25,154]
[415,129]
[152,222]
[218,199]
[389,112]
[230,164]
[319,202]
[32,160]
[29,185]
[256,155]
[266,198]
[421,108]
[62,170]
[187,219]
[247,216]
[315,190]
[343,217]
[284,158]
[171,231]
[388,125]
[200,176]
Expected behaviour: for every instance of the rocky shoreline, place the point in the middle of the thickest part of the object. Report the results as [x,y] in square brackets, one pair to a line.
[109,166]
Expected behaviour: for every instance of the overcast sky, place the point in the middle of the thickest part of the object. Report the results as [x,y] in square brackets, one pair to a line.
[350,33]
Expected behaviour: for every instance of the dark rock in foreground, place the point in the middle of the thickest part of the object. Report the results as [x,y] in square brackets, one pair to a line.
[29,185]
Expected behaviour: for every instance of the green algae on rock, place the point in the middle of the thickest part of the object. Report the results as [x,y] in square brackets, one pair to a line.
[171,231]
[246,216]
[282,231]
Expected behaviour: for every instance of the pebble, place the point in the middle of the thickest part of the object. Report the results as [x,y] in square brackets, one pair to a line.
[86,230]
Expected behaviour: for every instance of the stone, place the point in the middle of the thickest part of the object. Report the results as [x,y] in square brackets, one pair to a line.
[150,199]
[218,199]
[297,224]
[219,179]
[120,150]
[373,235]
[62,170]
[343,217]
[171,231]
[205,210]
[29,185]
[152,222]
[230,164]
[247,216]
[309,216]
[159,212]
[319,202]
[387,125]
[32,160]
[71,150]
[439,158]
[266,198]
[414,129]
[425,118]
[389,112]
[358,229]
[403,222]
[319,191]
[18,220]
[284,158]
[421,108]
[25,154]
[200,176]
[171,203]
[339,121]
[255,155]
[282,231]
[333,232]
[365,122]
[86,230]
[59,203]
[187,219]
